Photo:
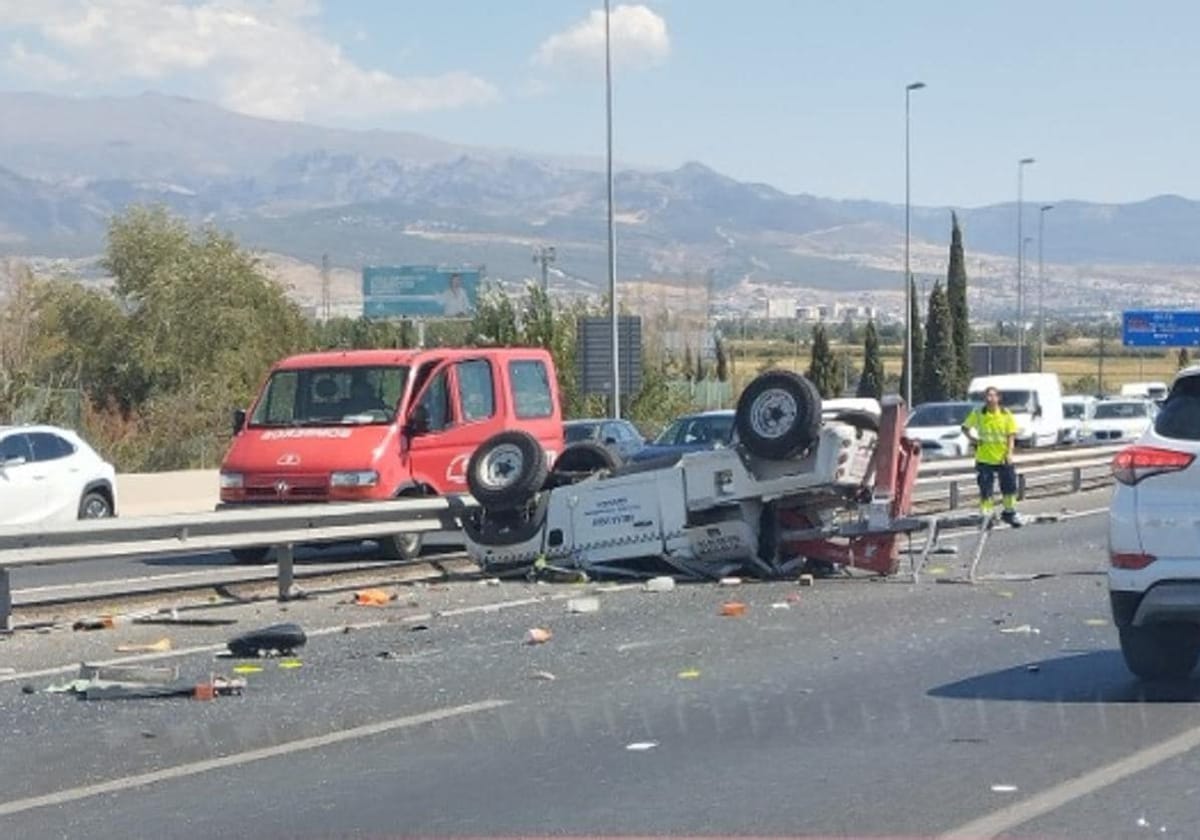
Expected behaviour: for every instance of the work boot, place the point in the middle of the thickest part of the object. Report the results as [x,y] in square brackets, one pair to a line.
[1012,518]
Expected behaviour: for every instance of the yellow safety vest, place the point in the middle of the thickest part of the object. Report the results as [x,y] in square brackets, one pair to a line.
[994,428]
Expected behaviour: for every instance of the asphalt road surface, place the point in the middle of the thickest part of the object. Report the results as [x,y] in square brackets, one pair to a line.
[863,708]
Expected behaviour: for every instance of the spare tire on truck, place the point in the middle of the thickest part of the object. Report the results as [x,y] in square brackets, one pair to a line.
[581,460]
[778,415]
[507,470]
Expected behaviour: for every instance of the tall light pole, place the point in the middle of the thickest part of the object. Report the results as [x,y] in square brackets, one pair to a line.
[908,325]
[615,401]
[1042,211]
[1021,164]
[545,255]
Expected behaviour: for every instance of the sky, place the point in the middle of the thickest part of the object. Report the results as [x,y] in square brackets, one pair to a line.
[806,96]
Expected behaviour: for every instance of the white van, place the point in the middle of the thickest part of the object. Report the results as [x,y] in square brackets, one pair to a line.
[1035,399]
[1149,390]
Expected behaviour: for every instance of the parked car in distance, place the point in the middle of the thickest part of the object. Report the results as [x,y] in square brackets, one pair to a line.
[380,424]
[1120,420]
[937,426]
[1154,556]
[619,435]
[1150,390]
[691,433]
[1035,399]
[49,474]
[1078,411]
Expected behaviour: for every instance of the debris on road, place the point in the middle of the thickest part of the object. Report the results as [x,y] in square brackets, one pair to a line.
[139,682]
[1004,788]
[806,580]
[641,746]
[99,622]
[543,676]
[538,636]
[583,605]
[1021,630]
[373,598]
[492,581]
[174,619]
[418,628]
[1096,622]
[129,673]
[660,584]
[276,640]
[733,609]
[730,581]
[247,669]
[689,674]
[793,598]
[290,664]
[161,646]
[781,605]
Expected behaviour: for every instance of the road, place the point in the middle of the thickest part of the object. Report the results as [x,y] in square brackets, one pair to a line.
[866,708]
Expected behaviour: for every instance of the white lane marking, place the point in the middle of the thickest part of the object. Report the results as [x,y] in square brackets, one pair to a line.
[181,771]
[1006,819]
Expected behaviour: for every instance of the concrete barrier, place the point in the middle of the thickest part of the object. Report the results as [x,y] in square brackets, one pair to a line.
[160,494]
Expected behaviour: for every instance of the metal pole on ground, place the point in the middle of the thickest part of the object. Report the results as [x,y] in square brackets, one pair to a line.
[615,401]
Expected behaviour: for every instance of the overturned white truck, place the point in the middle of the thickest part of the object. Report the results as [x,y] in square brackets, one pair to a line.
[795,488]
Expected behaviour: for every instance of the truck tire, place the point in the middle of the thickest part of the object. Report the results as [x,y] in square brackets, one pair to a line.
[401,548]
[778,415]
[581,460]
[507,470]
[1160,651]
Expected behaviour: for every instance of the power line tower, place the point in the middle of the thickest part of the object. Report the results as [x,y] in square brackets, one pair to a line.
[545,255]
[326,301]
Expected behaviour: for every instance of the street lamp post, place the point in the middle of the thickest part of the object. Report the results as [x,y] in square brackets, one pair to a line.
[615,401]
[1042,211]
[908,325]
[1021,164]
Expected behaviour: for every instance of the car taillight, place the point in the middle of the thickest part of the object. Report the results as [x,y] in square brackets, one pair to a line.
[1130,560]
[1131,465]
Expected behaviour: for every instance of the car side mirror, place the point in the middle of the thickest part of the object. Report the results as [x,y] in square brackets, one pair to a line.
[418,421]
[1037,412]
[239,421]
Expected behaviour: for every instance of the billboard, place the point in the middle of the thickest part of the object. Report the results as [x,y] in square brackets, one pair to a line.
[593,354]
[415,291]
[1160,328]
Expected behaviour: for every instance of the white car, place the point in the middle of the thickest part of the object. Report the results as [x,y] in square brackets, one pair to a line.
[1120,421]
[1078,412]
[938,428]
[1154,553]
[48,474]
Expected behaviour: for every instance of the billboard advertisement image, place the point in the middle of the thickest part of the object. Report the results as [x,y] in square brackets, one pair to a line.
[415,291]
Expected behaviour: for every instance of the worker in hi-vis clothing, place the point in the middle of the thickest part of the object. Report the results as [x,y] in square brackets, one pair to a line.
[994,430]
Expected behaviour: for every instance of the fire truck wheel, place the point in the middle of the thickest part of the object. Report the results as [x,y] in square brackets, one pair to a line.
[506,470]
[778,415]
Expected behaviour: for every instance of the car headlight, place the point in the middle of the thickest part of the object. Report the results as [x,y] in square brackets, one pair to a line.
[354,478]
[232,481]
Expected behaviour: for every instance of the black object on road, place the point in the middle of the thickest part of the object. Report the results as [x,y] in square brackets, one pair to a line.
[278,638]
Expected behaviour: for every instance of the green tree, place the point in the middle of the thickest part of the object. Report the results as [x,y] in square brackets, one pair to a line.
[1183,359]
[870,384]
[939,368]
[956,294]
[823,366]
[918,348]
[701,374]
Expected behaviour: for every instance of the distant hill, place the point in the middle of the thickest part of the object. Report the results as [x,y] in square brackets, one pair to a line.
[384,196]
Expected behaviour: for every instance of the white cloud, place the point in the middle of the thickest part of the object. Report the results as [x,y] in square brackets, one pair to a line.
[639,39]
[33,65]
[257,57]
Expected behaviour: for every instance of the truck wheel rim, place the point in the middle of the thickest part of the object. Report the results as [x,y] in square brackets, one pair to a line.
[773,413]
[95,509]
[500,467]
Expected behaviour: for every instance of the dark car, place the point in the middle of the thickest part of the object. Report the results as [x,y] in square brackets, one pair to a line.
[691,433]
[619,435]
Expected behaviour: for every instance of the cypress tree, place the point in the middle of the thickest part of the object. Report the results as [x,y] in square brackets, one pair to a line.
[956,294]
[722,362]
[918,348]
[1184,359]
[940,364]
[823,367]
[870,384]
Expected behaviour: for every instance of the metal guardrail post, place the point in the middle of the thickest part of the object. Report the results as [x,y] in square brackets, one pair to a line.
[285,561]
[953,495]
[1077,479]
[1021,486]
[5,601]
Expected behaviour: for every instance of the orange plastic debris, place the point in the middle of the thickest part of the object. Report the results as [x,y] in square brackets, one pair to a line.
[537,636]
[733,609]
[372,598]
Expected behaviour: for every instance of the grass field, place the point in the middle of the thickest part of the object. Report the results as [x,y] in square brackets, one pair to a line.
[1079,361]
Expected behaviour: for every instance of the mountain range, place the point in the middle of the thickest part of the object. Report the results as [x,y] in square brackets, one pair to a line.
[367,197]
